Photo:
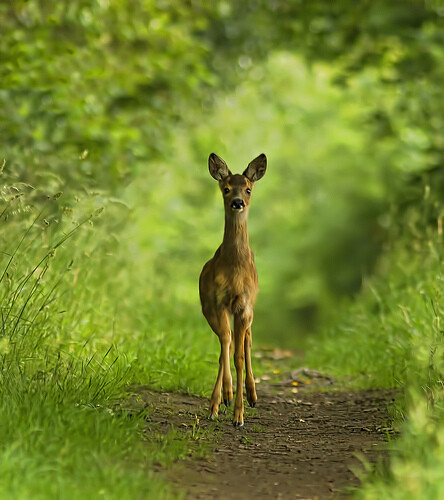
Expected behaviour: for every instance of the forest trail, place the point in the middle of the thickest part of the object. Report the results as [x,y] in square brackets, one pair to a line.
[294,445]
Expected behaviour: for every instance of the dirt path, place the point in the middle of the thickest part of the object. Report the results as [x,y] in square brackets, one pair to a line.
[293,445]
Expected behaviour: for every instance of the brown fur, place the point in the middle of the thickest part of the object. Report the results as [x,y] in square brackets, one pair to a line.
[228,286]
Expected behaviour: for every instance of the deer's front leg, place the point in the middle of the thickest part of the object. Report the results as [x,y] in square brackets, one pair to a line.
[215,396]
[222,329]
[241,323]
[224,375]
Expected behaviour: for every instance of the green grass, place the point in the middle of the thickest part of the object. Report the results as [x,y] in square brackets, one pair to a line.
[71,342]
[61,450]
[417,456]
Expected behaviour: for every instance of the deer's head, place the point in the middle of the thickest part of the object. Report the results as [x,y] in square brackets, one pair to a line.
[236,188]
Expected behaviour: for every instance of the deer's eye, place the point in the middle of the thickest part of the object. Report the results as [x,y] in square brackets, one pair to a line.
[226,190]
[248,191]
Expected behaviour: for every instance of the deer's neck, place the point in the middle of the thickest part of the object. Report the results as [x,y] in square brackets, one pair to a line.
[235,244]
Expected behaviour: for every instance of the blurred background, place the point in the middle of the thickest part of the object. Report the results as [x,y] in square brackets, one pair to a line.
[108,112]
[118,104]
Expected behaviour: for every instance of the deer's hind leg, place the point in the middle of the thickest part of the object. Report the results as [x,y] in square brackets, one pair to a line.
[227,386]
[249,378]
[221,326]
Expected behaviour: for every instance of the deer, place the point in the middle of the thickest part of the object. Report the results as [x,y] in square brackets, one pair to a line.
[228,286]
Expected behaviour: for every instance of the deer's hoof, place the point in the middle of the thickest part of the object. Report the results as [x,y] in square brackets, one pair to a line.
[238,424]
[253,404]
[214,410]
[228,402]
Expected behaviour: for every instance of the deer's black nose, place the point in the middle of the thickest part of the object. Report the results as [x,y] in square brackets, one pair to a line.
[237,204]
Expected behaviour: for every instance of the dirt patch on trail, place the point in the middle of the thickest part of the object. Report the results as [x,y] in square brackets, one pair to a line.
[293,445]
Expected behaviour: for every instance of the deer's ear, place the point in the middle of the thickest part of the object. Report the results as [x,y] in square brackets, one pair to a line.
[256,168]
[218,168]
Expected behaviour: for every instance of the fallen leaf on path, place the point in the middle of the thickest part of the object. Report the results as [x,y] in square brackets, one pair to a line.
[307,372]
[275,354]
[281,354]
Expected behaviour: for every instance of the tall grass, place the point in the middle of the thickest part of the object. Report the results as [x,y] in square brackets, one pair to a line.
[391,335]
[71,342]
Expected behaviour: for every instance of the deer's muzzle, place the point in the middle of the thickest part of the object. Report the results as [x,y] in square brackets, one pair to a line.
[237,204]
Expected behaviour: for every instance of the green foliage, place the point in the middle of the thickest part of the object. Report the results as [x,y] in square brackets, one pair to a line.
[393,50]
[395,45]
[90,88]
[118,105]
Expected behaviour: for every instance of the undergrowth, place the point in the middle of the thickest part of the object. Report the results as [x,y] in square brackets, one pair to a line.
[391,335]
[72,339]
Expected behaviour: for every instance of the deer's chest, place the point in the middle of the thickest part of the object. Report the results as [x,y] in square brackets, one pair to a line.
[236,287]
